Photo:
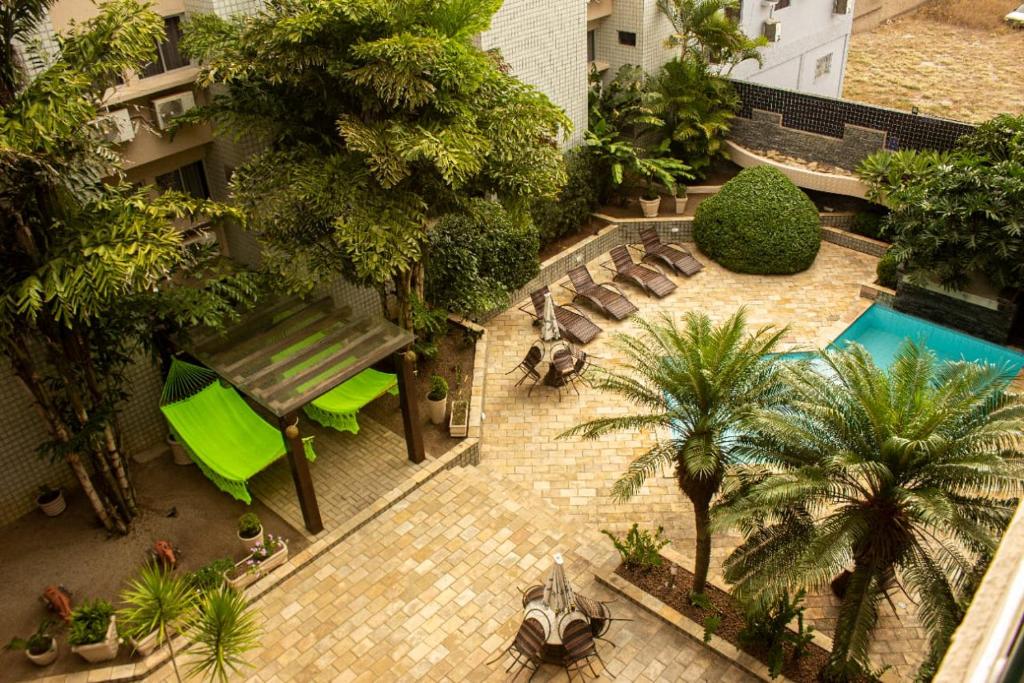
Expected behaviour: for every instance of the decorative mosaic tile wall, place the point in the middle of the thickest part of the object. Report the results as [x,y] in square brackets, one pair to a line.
[827,116]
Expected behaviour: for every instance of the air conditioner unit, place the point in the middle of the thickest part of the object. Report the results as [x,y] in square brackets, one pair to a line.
[116,126]
[842,6]
[772,30]
[167,108]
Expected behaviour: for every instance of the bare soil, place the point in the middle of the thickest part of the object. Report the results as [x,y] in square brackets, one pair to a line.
[955,59]
[456,350]
[675,591]
[177,503]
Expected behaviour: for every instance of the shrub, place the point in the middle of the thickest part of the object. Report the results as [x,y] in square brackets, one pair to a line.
[476,257]
[888,270]
[767,626]
[869,223]
[564,214]
[438,388]
[760,222]
[89,622]
[211,575]
[249,525]
[639,549]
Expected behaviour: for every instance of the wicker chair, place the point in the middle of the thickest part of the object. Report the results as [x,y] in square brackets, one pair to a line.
[647,279]
[532,593]
[565,366]
[674,256]
[578,640]
[527,648]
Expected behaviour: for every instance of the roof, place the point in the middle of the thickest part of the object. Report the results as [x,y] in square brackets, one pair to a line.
[289,352]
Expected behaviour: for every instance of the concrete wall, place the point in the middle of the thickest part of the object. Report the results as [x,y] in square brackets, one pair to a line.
[652,29]
[990,319]
[810,31]
[544,41]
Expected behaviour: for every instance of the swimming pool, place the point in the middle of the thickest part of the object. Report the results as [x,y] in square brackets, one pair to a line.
[882,330]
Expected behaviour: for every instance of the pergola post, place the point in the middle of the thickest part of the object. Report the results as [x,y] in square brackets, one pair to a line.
[300,473]
[404,361]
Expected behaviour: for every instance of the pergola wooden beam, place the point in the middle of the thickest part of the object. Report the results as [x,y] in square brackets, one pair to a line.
[411,424]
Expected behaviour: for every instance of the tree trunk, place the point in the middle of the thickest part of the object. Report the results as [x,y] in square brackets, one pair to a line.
[108,521]
[702,556]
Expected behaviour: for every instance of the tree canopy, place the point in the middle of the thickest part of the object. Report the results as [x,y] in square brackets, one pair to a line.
[378,119]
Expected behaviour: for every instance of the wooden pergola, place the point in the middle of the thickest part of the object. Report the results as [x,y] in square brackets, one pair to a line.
[289,352]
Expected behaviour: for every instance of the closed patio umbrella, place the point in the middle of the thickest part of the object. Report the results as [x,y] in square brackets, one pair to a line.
[548,324]
[558,594]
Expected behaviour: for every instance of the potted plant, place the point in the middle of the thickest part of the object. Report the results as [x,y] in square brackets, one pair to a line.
[178,452]
[51,501]
[155,604]
[271,553]
[458,423]
[650,201]
[250,531]
[93,633]
[40,647]
[437,399]
[680,198]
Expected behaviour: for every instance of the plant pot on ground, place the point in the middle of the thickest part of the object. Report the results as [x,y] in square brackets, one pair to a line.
[250,531]
[437,399]
[93,633]
[458,425]
[51,501]
[650,202]
[40,647]
[270,554]
[681,199]
[178,452]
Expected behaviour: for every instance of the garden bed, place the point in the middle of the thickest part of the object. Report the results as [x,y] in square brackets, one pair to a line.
[674,592]
[588,229]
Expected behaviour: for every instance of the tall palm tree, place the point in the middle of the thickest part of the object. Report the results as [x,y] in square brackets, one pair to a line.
[704,30]
[906,478]
[697,382]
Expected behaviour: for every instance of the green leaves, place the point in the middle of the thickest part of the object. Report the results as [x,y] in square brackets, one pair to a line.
[225,628]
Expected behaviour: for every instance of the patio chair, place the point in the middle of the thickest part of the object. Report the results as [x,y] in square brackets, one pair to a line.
[674,256]
[527,648]
[578,641]
[528,366]
[572,322]
[647,279]
[605,297]
[532,593]
[564,366]
[600,616]
[584,361]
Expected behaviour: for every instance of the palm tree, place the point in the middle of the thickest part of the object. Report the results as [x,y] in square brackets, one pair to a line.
[156,602]
[705,31]
[698,382]
[224,629]
[907,478]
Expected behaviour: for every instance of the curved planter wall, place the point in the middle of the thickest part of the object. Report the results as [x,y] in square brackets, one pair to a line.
[802,177]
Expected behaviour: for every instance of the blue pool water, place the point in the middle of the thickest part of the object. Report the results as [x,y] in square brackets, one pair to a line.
[882,330]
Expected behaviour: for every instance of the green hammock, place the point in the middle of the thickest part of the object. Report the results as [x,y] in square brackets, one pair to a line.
[227,439]
[339,407]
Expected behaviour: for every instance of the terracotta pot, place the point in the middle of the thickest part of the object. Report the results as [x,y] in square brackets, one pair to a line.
[460,428]
[53,506]
[248,543]
[178,451]
[681,205]
[650,207]
[239,576]
[45,658]
[102,651]
[437,410]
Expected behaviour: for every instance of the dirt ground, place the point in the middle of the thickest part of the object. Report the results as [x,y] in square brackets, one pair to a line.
[950,58]
[73,551]
[454,350]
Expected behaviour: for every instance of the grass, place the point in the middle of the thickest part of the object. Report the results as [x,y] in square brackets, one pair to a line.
[949,58]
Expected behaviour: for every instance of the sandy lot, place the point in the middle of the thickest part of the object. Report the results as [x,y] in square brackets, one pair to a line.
[951,58]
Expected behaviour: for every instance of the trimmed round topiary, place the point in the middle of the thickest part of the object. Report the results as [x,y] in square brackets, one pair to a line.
[759,222]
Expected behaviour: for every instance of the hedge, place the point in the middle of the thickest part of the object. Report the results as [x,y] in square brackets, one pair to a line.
[759,222]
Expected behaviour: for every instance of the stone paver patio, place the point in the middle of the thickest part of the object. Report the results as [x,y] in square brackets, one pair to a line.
[428,590]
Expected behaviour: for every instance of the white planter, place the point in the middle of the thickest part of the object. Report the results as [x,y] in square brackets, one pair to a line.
[178,451]
[437,410]
[53,507]
[650,207]
[144,646]
[239,576]
[681,205]
[102,651]
[47,657]
[462,428]
[248,543]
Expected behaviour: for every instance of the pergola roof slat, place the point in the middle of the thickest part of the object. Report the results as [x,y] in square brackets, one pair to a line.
[285,333]
[333,334]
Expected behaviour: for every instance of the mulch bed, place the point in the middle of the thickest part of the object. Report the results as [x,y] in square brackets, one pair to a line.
[658,582]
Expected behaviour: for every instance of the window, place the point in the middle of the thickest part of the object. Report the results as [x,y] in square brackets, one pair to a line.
[190,179]
[591,46]
[627,38]
[823,66]
[782,4]
[168,56]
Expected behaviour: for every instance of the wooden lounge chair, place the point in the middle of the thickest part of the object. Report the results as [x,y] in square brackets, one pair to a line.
[675,256]
[572,322]
[605,297]
[647,279]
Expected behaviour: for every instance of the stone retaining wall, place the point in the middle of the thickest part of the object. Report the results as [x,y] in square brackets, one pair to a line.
[993,324]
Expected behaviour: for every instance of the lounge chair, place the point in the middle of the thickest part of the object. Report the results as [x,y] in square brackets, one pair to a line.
[675,256]
[647,279]
[572,322]
[605,297]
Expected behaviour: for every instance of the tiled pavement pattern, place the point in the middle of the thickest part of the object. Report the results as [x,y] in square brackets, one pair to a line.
[576,476]
[429,592]
[350,472]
